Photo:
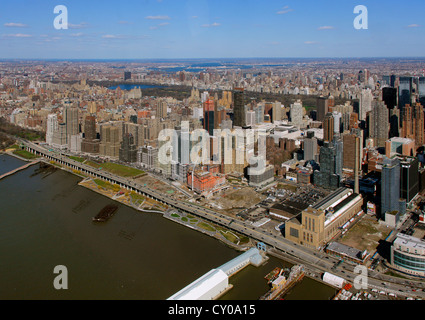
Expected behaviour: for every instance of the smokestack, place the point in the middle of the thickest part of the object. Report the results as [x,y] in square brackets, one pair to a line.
[356,165]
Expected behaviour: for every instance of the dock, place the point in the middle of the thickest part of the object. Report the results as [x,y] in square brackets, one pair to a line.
[19,169]
[280,283]
[215,283]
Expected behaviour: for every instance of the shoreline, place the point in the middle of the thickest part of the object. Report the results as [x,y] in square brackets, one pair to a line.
[125,199]
[166,213]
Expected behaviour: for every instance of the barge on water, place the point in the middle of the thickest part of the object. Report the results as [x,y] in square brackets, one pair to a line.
[106,213]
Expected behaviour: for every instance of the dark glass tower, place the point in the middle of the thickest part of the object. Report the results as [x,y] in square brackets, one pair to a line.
[404,92]
[390,186]
[238,108]
[330,158]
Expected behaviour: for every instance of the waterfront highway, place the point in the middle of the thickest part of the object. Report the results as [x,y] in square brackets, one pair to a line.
[313,259]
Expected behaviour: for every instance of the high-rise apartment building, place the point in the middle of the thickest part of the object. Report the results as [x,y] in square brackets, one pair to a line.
[128,149]
[378,123]
[90,143]
[328,127]
[419,124]
[238,107]
[110,141]
[310,147]
[297,114]
[210,108]
[365,103]
[322,108]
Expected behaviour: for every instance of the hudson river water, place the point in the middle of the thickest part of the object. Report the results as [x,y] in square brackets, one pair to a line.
[46,221]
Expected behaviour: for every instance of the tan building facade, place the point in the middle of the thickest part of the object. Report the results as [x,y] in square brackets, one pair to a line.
[317,225]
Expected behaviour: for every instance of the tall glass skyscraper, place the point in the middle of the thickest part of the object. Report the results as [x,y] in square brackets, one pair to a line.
[404,92]
[421,90]
[330,159]
[390,185]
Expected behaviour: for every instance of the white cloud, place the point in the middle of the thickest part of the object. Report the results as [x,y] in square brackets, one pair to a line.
[18,35]
[215,24]
[158,18]
[285,10]
[413,26]
[310,42]
[79,34]
[78,26]
[326,28]
[15,25]
[111,36]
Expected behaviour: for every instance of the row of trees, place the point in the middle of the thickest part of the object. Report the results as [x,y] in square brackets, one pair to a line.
[8,132]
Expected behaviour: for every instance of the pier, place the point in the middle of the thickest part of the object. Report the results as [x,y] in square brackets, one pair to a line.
[215,283]
[19,169]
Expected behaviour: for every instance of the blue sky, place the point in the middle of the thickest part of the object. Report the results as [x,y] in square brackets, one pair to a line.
[144,29]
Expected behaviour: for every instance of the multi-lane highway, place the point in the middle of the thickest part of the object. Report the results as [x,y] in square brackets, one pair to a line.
[313,259]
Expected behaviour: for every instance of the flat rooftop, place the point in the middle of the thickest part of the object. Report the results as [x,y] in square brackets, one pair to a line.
[409,241]
[345,250]
[331,199]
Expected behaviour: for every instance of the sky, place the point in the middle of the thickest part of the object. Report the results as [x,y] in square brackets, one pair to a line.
[186,29]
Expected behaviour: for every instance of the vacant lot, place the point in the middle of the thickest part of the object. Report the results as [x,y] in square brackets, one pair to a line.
[243,197]
[365,235]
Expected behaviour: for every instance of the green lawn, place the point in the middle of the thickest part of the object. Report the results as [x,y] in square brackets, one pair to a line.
[117,169]
[25,154]
[76,158]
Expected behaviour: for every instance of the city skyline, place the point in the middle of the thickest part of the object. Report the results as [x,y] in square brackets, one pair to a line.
[164,29]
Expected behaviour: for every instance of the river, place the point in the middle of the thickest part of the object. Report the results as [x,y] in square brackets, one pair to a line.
[46,221]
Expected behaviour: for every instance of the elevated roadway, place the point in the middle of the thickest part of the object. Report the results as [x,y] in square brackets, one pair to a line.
[313,259]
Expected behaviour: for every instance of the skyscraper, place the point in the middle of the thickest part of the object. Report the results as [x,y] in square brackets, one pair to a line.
[322,108]
[297,113]
[162,109]
[407,128]
[390,185]
[110,141]
[72,124]
[310,147]
[328,127]
[409,178]
[365,103]
[330,159]
[404,92]
[90,143]
[378,123]
[127,75]
[352,149]
[276,111]
[421,90]
[389,96]
[52,126]
[128,149]
[209,116]
[419,124]
[238,107]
